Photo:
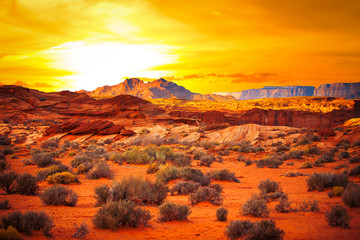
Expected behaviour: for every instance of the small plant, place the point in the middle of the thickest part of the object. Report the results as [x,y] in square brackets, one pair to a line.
[351,195]
[81,231]
[223,175]
[100,170]
[268,186]
[26,184]
[206,194]
[336,191]
[111,215]
[309,206]
[355,159]
[5,204]
[59,195]
[306,165]
[42,159]
[322,181]
[7,182]
[338,217]
[51,143]
[237,229]
[284,206]
[62,178]
[10,234]
[206,160]
[344,155]
[265,229]
[221,214]
[355,171]
[184,188]
[256,207]
[171,211]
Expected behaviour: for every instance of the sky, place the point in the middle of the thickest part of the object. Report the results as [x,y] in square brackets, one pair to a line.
[205,46]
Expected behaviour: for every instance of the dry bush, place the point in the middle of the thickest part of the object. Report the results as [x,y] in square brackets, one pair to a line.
[81,231]
[255,206]
[62,178]
[26,184]
[51,143]
[7,182]
[184,188]
[43,174]
[59,195]
[100,170]
[42,158]
[206,194]
[237,229]
[355,171]
[5,204]
[223,175]
[268,186]
[170,211]
[351,195]
[322,181]
[221,214]
[338,217]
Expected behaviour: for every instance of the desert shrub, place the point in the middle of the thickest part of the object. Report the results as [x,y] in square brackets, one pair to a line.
[274,195]
[196,175]
[282,148]
[216,186]
[170,211]
[184,188]
[256,207]
[355,171]
[284,206]
[28,222]
[306,164]
[181,160]
[81,231]
[115,157]
[207,160]
[237,229]
[100,170]
[167,173]
[26,184]
[265,229]
[3,163]
[221,214]
[152,168]
[7,151]
[343,144]
[355,144]
[296,154]
[133,189]
[71,144]
[44,173]
[207,144]
[85,167]
[5,204]
[351,195]
[326,157]
[268,162]
[206,194]
[42,159]
[303,141]
[268,186]
[114,215]
[313,150]
[343,165]
[59,195]
[51,143]
[344,155]
[7,181]
[336,191]
[10,234]
[338,217]
[199,154]
[4,140]
[223,175]
[355,159]
[62,178]
[293,174]
[322,181]
[309,206]
[81,159]
[248,162]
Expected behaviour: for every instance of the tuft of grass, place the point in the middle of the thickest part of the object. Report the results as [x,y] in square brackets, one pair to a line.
[221,214]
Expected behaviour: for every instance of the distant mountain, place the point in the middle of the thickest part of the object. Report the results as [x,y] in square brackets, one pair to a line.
[344,90]
[159,88]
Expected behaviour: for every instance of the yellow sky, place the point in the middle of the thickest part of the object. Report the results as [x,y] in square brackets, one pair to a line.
[206,46]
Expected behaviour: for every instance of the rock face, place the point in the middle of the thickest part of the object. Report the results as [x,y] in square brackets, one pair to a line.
[343,90]
[160,88]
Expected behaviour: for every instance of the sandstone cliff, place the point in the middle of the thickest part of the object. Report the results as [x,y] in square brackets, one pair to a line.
[344,90]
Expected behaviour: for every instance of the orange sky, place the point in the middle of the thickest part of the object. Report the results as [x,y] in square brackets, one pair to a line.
[206,46]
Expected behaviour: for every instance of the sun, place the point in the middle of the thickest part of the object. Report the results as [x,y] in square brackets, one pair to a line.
[107,63]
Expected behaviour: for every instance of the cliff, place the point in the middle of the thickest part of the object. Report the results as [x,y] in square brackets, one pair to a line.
[343,90]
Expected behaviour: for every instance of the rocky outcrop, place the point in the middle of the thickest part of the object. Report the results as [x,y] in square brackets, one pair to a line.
[343,90]
[159,88]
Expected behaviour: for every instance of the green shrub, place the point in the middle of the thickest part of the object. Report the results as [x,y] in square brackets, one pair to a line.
[100,170]
[237,229]
[338,217]
[221,214]
[7,182]
[116,157]
[351,195]
[26,184]
[5,204]
[322,181]
[206,194]
[152,168]
[265,229]
[170,211]
[114,215]
[355,171]
[10,234]
[59,195]
[28,222]
[223,175]
[62,178]
[256,207]
[184,188]
[43,174]
[268,186]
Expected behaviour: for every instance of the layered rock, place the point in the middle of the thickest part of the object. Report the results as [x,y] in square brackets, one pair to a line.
[343,90]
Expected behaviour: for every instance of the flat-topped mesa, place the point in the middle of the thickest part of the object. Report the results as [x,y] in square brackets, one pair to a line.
[343,90]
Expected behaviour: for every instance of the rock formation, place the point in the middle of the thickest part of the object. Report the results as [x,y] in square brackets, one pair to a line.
[343,90]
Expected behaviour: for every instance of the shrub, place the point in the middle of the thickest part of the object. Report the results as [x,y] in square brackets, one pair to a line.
[62,178]
[284,206]
[5,204]
[355,159]
[343,144]
[181,160]
[51,143]
[123,213]
[42,159]
[223,175]
[338,217]
[351,195]
[59,195]
[3,163]
[206,194]
[336,191]
[322,181]
[100,170]
[313,150]
[256,207]
[344,154]
[268,186]
[43,174]
[293,174]
[167,173]
[171,211]
[355,144]
[221,214]
[296,154]
[265,229]
[7,182]
[152,168]
[237,229]
[28,222]
[306,164]
[274,195]
[355,171]
[207,160]
[282,148]
[303,141]
[267,162]
[7,151]
[343,165]
[312,206]
[10,234]
[102,194]
[26,184]
[184,188]
[81,231]
[4,140]
[196,175]
[81,159]
[115,157]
